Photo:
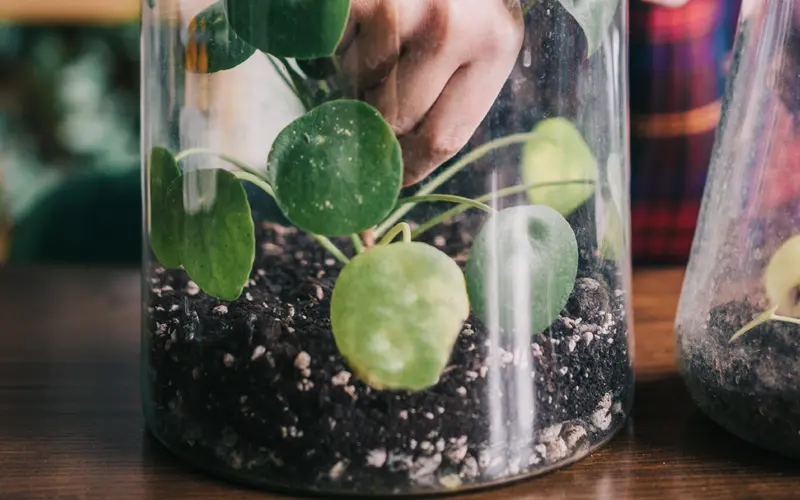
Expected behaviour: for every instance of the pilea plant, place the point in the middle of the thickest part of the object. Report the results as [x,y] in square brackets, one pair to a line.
[397,307]
[781,281]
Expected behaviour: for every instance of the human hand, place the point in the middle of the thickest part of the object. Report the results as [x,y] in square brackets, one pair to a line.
[433,68]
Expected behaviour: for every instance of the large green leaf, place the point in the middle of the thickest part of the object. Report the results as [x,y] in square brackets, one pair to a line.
[522,268]
[594,17]
[166,207]
[396,312]
[559,155]
[302,29]
[213,46]
[336,170]
[219,239]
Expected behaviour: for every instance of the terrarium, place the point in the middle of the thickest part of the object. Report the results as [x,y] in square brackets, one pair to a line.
[386,241]
[737,331]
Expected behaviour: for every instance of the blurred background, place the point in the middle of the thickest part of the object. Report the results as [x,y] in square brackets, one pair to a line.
[69,126]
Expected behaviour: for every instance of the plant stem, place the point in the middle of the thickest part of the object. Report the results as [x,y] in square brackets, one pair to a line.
[300,85]
[450,198]
[452,170]
[786,319]
[258,181]
[331,248]
[286,80]
[358,245]
[222,156]
[500,193]
[758,320]
[402,227]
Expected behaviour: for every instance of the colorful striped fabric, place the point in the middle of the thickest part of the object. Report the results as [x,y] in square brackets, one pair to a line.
[678,57]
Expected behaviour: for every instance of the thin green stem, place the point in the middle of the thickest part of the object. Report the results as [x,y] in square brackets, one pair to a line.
[358,245]
[762,318]
[300,84]
[448,198]
[283,76]
[402,227]
[331,248]
[452,170]
[500,193]
[222,156]
[258,181]
[786,319]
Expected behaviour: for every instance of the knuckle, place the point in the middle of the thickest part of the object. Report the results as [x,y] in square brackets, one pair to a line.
[439,147]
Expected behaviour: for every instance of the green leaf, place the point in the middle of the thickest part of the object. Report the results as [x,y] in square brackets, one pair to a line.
[782,278]
[219,239]
[522,269]
[396,312]
[151,3]
[301,29]
[559,155]
[336,170]
[594,17]
[166,207]
[212,45]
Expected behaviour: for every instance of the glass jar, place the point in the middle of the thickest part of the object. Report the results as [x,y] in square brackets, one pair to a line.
[736,332]
[386,248]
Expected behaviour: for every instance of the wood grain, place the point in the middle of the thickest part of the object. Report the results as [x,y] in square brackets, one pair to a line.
[69,11]
[71,428]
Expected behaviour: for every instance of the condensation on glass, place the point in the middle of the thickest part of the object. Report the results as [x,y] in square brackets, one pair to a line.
[388,255]
[737,340]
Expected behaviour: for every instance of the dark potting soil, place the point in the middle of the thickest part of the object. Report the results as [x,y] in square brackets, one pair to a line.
[751,387]
[256,389]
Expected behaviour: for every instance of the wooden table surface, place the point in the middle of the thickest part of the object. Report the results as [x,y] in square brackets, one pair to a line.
[70,424]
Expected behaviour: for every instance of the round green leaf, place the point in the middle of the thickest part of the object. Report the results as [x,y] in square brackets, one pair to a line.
[166,207]
[301,29]
[219,239]
[559,155]
[396,312]
[782,278]
[522,268]
[212,45]
[336,170]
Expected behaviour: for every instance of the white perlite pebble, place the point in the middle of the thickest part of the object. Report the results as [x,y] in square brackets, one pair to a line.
[458,453]
[601,418]
[228,360]
[556,450]
[221,310]
[470,468]
[429,415]
[341,378]
[471,375]
[440,445]
[588,337]
[563,370]
[376,458]
[302,361]
[450,481]
[461,391]
[192,288]
[337,470]
[549,434]
[571,344]
[541,450]
[425,466]
[174,307]
[426,446]
[484,370]
[258,352]
[439,241]
[572,434]
[403,415]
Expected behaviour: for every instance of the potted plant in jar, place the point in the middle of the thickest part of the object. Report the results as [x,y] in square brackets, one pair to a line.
[337,343]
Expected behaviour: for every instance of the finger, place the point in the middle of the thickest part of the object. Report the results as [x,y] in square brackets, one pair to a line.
[381,27]
[413,87]
[448,126]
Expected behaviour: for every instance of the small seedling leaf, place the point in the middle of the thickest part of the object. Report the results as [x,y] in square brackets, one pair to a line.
[522,269]
[336,170]
[559,155]
[212,45]
[594,18]
[301,29]
[219,240]
[396,312]
[166,207]
[782,278]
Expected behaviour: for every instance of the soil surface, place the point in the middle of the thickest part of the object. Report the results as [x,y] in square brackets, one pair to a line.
[751,387]
[256,390]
